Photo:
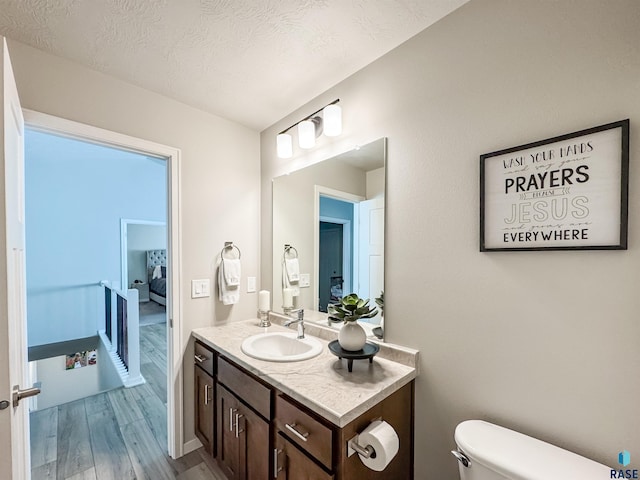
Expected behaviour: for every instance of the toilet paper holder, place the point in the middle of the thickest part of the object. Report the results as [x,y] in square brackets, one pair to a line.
[354,447]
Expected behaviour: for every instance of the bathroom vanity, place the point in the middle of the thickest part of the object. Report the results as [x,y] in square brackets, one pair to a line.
[293,420]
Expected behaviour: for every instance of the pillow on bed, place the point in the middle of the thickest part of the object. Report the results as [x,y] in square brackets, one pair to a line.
[156,272]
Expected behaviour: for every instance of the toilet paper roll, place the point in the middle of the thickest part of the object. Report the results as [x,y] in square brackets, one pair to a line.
[384,440]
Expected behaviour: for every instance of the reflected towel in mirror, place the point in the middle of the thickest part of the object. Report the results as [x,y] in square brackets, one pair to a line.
[287,278]
[292,267]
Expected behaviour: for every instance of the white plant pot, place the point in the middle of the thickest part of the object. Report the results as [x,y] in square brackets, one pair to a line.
[352,337]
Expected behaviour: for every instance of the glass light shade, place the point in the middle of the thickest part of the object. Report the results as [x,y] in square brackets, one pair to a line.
[332,120]
[306,134]
[284,145]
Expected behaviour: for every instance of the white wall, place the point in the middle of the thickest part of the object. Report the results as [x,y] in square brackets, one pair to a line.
[76,193]
[219,161]
[140,238]
[375,183]
[60,386]
[543,342]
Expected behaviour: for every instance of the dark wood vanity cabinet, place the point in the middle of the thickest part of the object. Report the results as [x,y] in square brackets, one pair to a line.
[326,444]
[204,395]
[261,433]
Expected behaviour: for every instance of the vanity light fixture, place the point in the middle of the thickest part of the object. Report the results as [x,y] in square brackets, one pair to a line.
[327,120]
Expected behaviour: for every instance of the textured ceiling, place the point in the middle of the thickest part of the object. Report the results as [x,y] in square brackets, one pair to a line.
[251,61]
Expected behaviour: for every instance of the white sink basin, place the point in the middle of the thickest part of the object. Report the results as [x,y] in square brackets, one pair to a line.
[281,347]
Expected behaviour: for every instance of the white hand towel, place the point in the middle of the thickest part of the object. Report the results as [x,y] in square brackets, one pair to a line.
[227,294]
[293,269]
[231,270]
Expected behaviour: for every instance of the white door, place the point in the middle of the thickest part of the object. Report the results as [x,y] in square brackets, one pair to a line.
[371,251]
[14,421]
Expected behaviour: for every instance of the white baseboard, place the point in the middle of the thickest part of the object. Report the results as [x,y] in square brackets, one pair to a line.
[192,445]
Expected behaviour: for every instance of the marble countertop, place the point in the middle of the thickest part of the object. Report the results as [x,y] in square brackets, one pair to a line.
[322,383]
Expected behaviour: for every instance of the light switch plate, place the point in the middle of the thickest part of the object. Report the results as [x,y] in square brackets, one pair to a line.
[305,280]
[200,288]
[251,284]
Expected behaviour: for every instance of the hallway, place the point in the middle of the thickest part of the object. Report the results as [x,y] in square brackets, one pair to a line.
[116,435]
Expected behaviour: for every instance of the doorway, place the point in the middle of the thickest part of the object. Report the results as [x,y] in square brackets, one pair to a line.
[141,240]
[172,381]
[331,271]
[335,240]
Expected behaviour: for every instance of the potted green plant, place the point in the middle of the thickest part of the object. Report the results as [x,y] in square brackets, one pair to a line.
[380,302]
[352,336]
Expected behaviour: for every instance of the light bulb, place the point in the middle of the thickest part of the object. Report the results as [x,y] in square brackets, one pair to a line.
[332,118]
[307,134]
[284,145]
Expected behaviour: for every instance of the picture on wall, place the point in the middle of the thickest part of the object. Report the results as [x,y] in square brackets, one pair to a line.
[81,359]
[563,193]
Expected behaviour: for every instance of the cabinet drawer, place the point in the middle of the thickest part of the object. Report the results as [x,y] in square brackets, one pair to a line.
[291,464]
[245,387]
[305,431]
[203,357]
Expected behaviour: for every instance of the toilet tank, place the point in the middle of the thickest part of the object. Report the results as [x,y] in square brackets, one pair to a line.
[497,453]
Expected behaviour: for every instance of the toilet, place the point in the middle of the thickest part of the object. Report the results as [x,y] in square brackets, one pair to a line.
[490,452]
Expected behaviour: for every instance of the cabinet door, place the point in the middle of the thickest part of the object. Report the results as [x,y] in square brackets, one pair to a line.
[253,435]
[243,439]
[291,464]
[228,450]
[205,408]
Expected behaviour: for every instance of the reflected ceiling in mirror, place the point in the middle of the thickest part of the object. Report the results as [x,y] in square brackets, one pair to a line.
[332,214]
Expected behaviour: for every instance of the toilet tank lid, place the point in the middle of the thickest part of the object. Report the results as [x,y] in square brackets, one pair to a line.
[520,457]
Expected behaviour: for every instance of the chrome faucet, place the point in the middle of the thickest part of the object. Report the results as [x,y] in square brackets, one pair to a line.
[299,320]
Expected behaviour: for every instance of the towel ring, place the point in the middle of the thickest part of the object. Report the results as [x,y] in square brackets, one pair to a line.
[230,246]
[287,250]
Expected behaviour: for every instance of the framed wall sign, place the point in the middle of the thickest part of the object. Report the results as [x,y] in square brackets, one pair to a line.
[566,192]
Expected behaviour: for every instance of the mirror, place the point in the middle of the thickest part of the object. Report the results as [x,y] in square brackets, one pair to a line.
[331,215]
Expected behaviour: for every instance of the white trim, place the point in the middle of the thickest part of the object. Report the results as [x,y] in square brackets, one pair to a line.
[192,445]
[67,128]
[319,190]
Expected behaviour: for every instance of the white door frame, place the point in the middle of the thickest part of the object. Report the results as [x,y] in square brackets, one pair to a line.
[318,191]
[70,129]
[124,260]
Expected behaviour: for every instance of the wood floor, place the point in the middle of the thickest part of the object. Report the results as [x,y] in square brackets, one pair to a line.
[117,435]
